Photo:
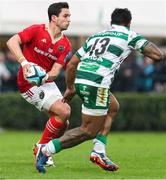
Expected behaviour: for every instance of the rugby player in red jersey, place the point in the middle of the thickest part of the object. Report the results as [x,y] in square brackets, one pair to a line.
[46,46]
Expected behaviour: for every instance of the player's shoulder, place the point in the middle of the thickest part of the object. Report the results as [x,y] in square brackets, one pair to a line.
[37,26]
[133,34]
[97,34]
[66,40]
[102,33]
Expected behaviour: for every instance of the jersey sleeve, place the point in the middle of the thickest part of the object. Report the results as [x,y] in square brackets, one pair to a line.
[83,50]
[27,34]
[65,56]
[137,42]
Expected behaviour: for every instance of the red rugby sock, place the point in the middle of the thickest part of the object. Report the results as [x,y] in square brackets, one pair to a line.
[53,129]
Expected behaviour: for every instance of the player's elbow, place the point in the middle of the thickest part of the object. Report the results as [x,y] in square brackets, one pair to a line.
[13,40]
[8,43]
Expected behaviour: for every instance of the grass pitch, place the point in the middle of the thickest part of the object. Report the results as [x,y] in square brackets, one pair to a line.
[139,155]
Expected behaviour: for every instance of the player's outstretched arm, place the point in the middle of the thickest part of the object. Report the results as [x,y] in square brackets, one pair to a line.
[70,78]
[153,52]
[55,70]
[71,71]
[14,45]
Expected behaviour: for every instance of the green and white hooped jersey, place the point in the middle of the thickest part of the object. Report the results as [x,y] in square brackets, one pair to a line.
[103,53]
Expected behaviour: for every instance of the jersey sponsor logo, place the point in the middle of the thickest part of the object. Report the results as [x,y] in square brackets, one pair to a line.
[102,97]
[84,91]
[50,50]
[39,51]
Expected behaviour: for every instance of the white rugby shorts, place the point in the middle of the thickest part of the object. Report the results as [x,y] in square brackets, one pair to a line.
[44,96]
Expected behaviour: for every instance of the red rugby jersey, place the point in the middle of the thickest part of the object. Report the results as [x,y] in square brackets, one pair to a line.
[39,49]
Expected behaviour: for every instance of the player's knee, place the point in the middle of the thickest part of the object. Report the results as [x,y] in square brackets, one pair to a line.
[62,110]
[66,112]
[63,113]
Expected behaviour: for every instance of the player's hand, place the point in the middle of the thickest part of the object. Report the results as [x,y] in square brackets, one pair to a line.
[68,95]
[25,66]
[26,69]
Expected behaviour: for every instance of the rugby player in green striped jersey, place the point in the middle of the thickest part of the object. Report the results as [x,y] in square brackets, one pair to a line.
[89,74]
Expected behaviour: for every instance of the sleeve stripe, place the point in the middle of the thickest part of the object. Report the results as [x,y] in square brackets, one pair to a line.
[143,46]
[78,54]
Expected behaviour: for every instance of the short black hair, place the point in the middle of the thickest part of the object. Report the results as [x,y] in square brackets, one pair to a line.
[55,9]
[121,16]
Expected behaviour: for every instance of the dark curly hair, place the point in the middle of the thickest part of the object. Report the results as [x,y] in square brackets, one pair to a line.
[55,9]
[121,16]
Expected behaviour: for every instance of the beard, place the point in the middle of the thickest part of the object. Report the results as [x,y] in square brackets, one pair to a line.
[64,28]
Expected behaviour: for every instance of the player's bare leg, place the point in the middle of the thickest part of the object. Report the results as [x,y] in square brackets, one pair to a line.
[100,141]
[91,125]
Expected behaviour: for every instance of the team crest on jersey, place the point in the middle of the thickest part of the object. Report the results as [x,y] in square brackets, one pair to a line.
[61,48]
[44,40]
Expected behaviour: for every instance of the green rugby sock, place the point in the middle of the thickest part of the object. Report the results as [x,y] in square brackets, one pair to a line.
[102,138]
[57,145]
